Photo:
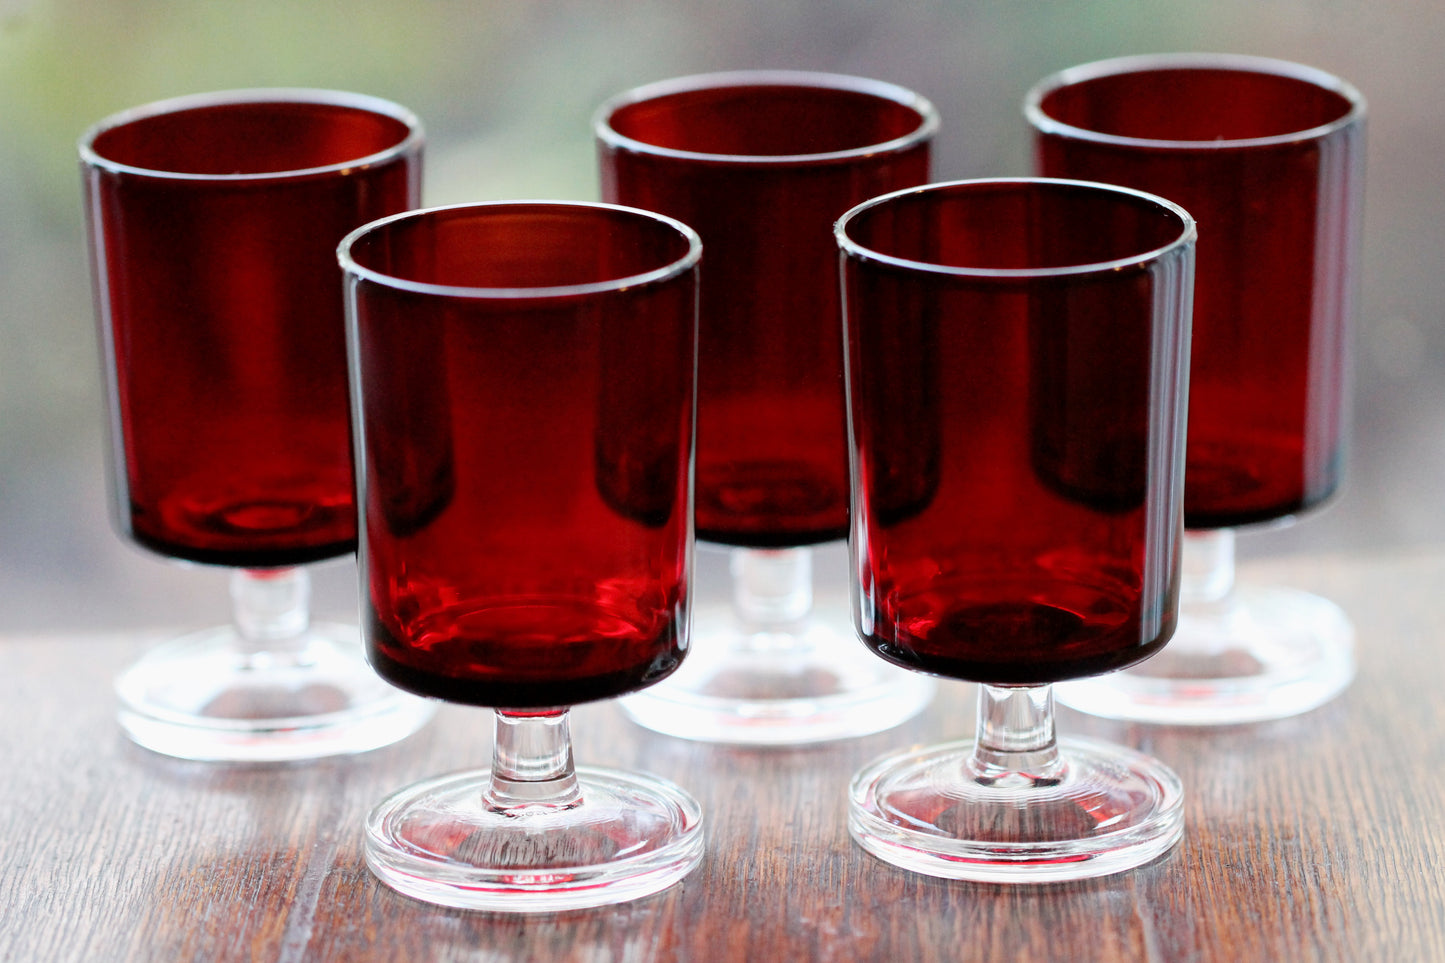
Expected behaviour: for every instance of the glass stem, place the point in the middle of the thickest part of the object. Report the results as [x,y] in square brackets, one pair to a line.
[270,608]
[532,769]
[1208,566]
[1206,592]
[1016,746]
[772,594]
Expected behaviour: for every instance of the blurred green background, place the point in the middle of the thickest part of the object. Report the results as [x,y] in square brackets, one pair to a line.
[506,89]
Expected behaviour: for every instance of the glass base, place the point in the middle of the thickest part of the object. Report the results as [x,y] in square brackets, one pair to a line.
[1261,653]
[631,835]
[1107,810]
[776,689]
[206,697]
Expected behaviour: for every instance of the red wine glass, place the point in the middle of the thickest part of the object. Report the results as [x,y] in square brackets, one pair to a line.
[523,375]
[1268,156]
[213,221]
[1017,357]
[761,163]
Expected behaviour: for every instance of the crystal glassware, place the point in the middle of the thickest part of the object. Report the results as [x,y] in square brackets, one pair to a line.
[523,375]
[1017,356]
[213,221]
[1268,156]
[761,163]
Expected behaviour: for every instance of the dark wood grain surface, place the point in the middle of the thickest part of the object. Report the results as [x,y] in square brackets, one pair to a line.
[1320,837]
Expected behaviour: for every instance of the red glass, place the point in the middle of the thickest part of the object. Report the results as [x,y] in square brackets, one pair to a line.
[215,224]
[523,374]
[526,422]
[1017,360]
[1267,157]
[1013,434]
[760,165]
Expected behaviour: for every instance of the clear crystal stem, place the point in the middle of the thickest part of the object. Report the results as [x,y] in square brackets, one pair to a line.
[1208,566]
[532,768]
[1016,746]
[772,594]
[1206,592]
[271,611]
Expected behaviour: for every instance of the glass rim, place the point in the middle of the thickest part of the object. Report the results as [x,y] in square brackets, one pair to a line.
[671,269]
[363,103]
[1236,63]
[852,248]
[928,116]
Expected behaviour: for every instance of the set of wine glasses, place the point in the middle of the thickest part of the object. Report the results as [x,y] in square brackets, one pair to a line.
[773,332]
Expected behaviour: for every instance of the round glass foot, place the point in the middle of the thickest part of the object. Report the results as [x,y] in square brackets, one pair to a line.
[1259,653]
[772,688]
[1102,809]
[209,696]
[629,835]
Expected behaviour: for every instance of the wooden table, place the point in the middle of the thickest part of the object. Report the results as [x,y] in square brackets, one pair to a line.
[1320,837]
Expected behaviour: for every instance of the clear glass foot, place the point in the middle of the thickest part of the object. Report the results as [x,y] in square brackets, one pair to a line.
[271,688]
[773,670]
[1014,805]
[534,834]
[1240,654]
